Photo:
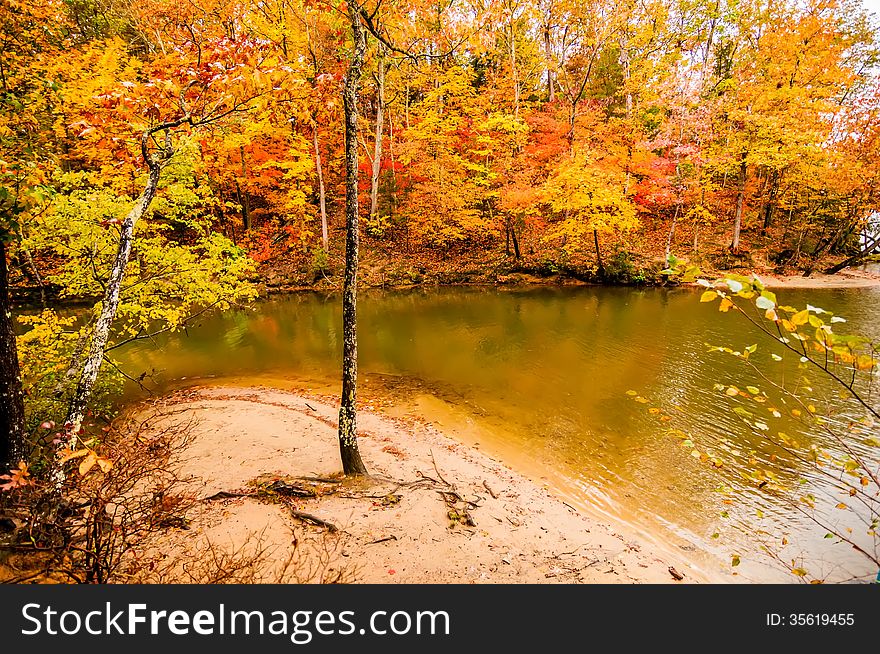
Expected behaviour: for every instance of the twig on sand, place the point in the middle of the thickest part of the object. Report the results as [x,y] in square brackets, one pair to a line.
[225,495]
[382,540]
[439,476]
[489,489]
[314,520]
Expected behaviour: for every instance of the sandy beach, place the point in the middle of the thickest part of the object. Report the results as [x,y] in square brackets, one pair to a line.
[851,278]
[432,511]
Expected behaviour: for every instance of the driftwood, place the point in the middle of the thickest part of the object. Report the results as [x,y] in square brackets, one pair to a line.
[314,520]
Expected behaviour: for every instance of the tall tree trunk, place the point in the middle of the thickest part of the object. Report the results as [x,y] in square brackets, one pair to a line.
[548,55]
[12,444]
[377,149]
[600,266]
[348,445]
[91,364]
[322,196]
[513,69]
[770,204]
[516,252]
[740,200]
[626,80]
[243,197]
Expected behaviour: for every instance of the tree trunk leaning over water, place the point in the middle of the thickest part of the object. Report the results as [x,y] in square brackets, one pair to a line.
[348,446]
[91,364]
[12,444]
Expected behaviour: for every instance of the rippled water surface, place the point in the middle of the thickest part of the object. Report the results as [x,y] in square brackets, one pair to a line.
[539,377]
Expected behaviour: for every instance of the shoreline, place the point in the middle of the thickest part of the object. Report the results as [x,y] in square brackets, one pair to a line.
[841,280]
[423,481]
[847,279]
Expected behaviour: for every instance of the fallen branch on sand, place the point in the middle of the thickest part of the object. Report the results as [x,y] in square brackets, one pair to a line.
[314,520]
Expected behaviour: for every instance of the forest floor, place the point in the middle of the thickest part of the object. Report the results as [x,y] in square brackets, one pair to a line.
[432,511]
[636,262]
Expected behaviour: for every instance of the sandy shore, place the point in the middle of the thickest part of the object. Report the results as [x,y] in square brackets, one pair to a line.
[407,523]
[843,279]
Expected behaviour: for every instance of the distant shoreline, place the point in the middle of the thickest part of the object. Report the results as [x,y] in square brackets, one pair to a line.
[848,279]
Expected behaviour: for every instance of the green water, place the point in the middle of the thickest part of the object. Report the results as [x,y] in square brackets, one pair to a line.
[539,378]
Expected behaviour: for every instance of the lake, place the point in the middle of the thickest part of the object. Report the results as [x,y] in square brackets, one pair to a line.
[538,377]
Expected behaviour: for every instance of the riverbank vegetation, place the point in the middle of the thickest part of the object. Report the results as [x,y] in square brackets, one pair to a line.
[591,139]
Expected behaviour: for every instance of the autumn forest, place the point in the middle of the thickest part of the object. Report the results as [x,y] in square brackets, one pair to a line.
[162,161]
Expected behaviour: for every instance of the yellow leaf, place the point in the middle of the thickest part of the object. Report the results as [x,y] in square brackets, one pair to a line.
[731,391]
[800,572]
[841,505]
[67,455]
[725,305]
[104,463]
[708,296]
[801,317]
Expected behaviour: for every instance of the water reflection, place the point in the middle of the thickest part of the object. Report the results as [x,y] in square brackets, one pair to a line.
[539,376]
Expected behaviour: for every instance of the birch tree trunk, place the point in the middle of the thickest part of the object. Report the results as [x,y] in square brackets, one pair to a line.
[91,364]
[380,125]
[12,444]
[348,446]
[322,196]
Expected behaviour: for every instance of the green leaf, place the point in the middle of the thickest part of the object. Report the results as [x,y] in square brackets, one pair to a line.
[734,560]
[734,285]
[764,303]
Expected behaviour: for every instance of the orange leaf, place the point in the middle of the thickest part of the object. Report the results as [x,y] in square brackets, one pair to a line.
[88,463]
